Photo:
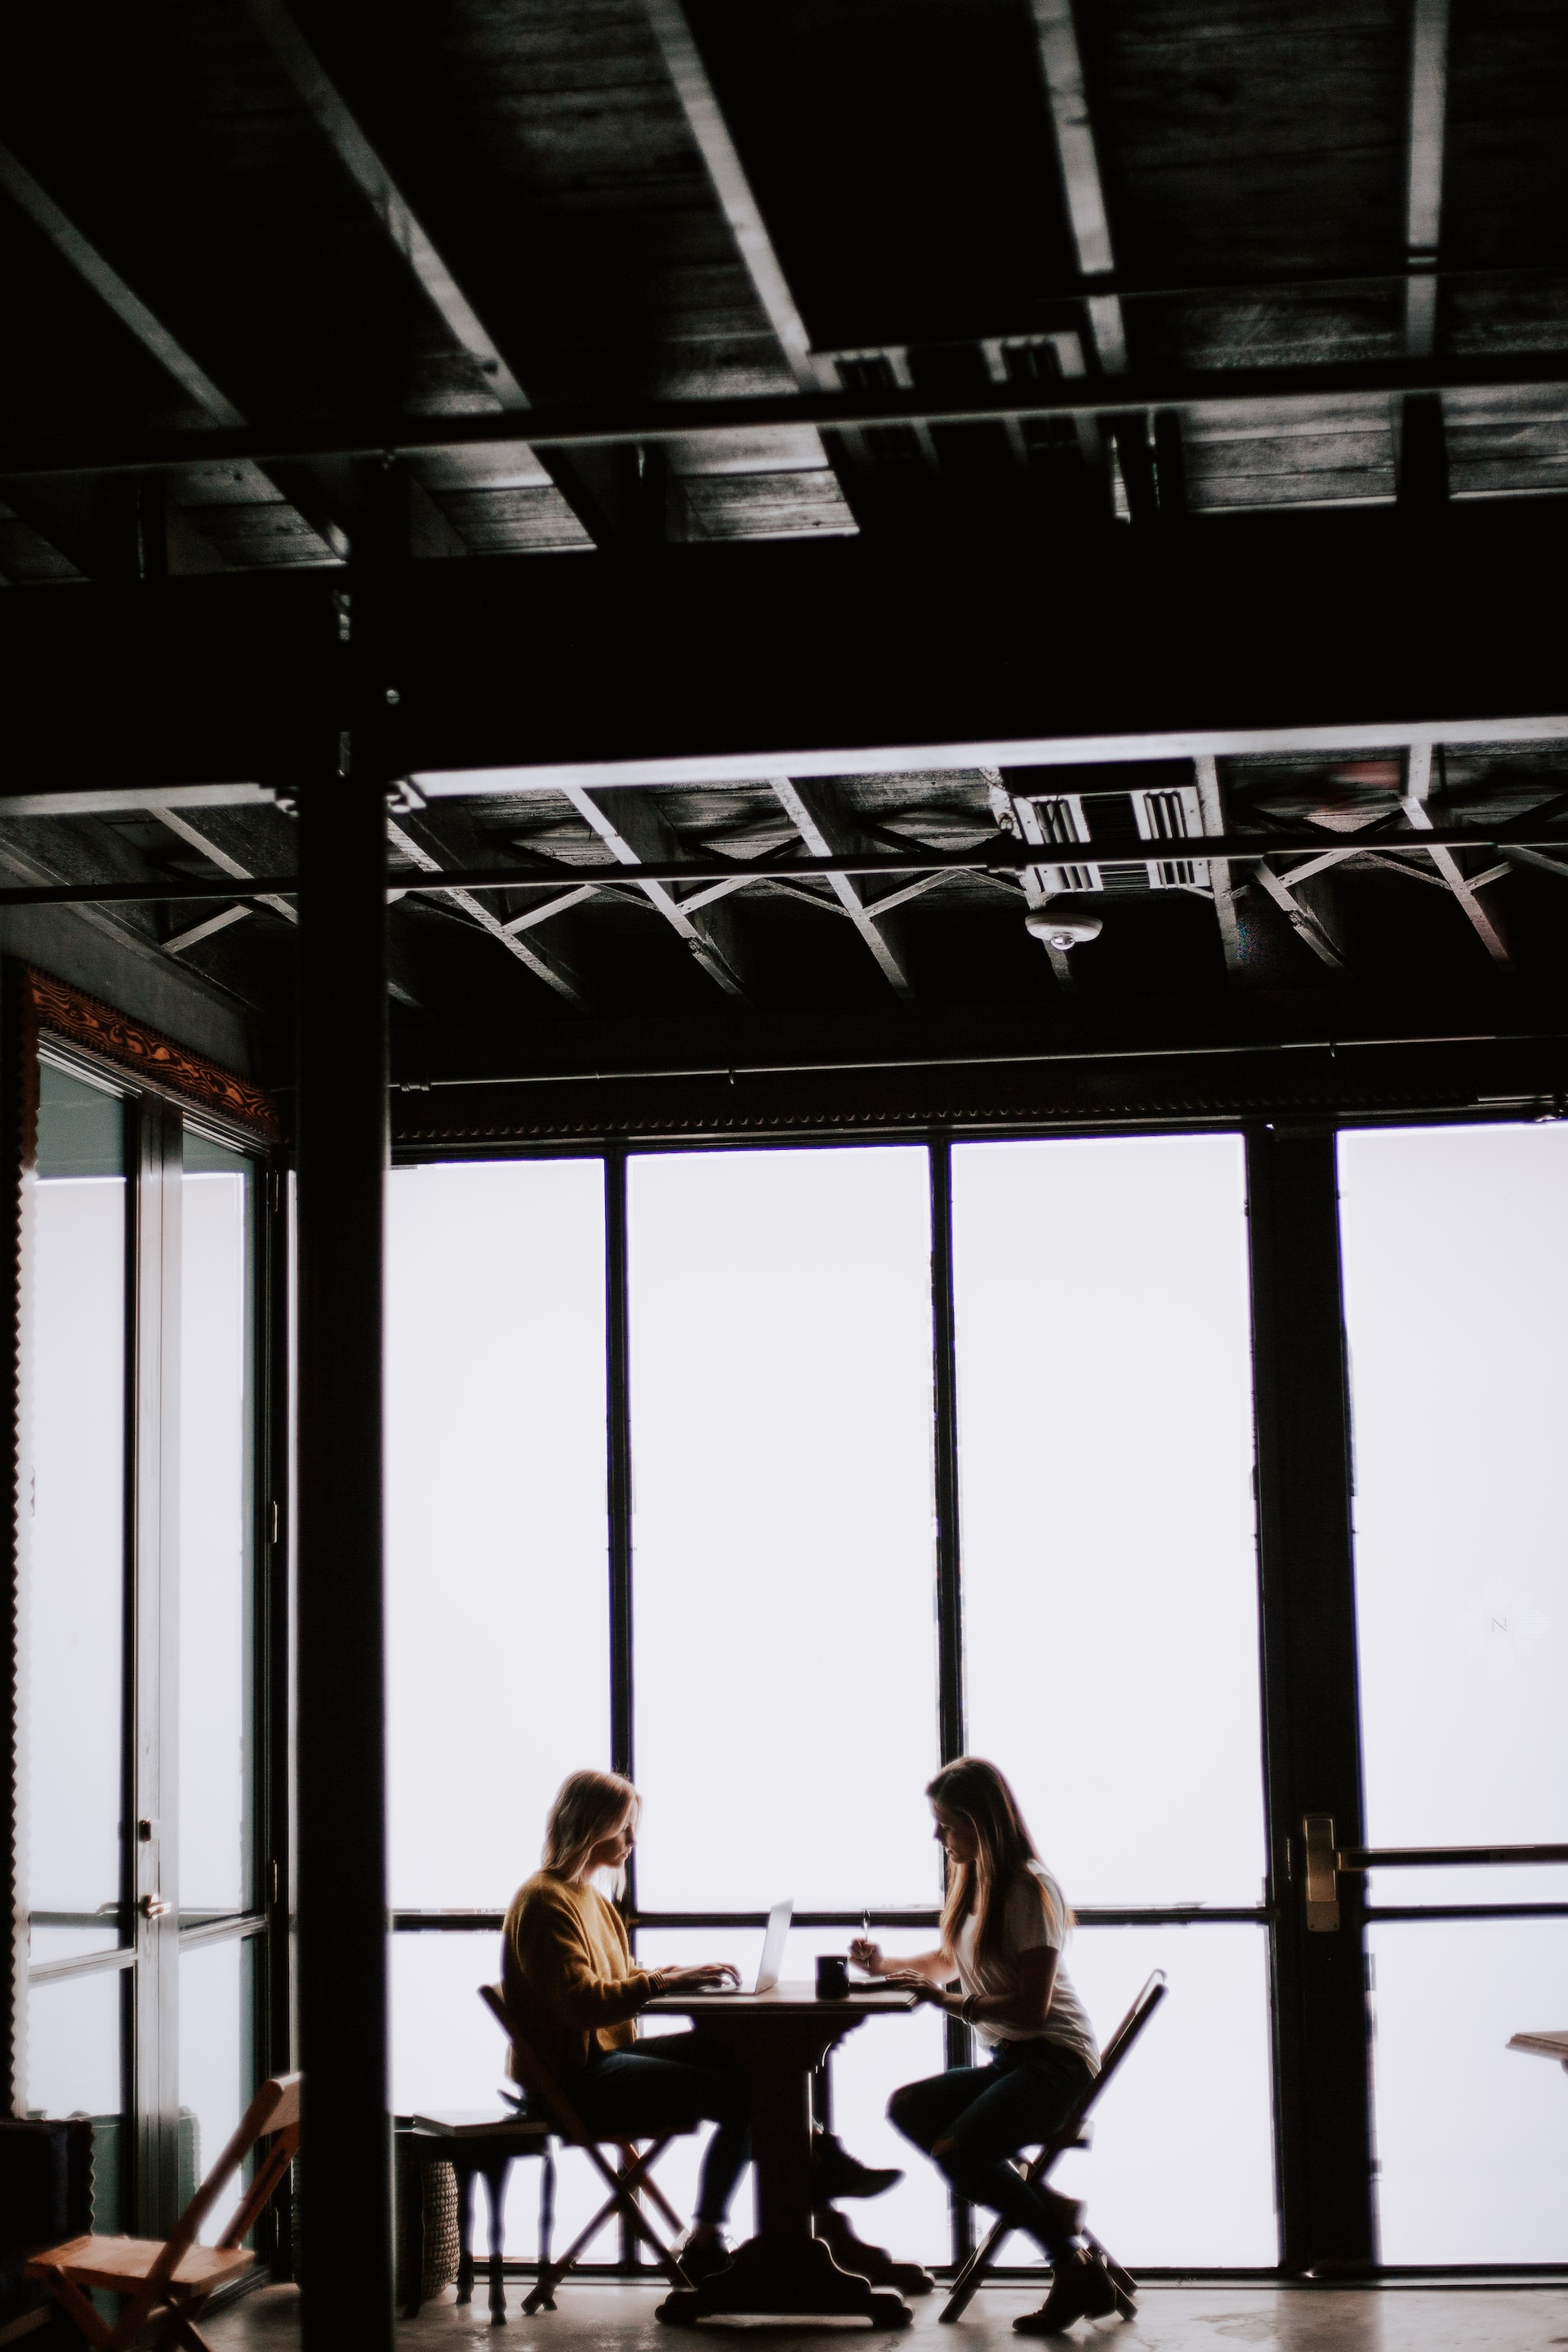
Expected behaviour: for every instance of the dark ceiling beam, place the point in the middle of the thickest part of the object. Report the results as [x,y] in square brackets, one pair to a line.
[1516,839]
[1296,387]
[1423,469]
[144,533]
[732,664]
[335,119]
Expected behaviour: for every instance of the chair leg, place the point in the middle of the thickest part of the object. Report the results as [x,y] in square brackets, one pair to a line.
[1124,2282]
[970,2276]
[623,2186]
[465,2232]
[546,2214]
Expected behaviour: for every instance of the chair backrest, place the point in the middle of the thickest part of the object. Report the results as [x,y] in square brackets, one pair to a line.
[275,2112]
[531,2070]
[1143,2007]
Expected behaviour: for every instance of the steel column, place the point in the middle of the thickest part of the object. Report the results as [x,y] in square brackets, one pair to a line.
[1312,1753]
[346,2168]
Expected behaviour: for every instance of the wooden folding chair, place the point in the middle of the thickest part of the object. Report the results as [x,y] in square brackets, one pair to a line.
[626,2183]
[1072,2133]
[172,2281]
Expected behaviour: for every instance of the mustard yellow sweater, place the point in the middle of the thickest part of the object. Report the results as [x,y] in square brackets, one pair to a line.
[567,1970]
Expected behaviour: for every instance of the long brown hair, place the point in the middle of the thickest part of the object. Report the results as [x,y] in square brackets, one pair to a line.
[979,1795]
[588,1806]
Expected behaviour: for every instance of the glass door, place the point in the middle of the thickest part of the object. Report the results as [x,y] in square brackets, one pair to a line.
[1456,1287]
[139,1607]
[1105,1460]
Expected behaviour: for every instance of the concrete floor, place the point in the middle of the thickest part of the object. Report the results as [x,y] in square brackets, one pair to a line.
[595,2318]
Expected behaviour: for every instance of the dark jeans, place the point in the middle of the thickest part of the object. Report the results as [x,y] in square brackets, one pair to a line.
[671,2084]
[989,2113]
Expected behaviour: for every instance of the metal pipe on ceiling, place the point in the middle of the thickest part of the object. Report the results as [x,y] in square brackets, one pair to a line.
[1002,857]
[614,423]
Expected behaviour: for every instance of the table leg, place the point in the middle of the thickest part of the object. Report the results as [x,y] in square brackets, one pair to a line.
[785,2268]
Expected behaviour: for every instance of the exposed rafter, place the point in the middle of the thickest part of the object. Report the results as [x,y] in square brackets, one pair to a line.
[1417,785]
[371,175]
[548,968]
[733,186]
[1062,65]
[1424,185]
[1211,803]
[635,833]
[1423,452]
[1305,924]
[807,807]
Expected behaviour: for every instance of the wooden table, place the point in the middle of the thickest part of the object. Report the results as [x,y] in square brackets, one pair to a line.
[779,2039]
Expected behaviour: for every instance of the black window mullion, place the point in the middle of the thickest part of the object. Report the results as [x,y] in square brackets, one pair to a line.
[1312,1736]
[618,1502]
[951,1729]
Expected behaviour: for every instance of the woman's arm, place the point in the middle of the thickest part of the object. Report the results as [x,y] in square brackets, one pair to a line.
[1027,2009]
[931,1968]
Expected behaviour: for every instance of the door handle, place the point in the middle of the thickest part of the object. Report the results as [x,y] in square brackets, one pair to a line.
[153,1906]
[1323,1887]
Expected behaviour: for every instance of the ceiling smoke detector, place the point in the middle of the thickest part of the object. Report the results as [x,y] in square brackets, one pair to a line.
[1062,924]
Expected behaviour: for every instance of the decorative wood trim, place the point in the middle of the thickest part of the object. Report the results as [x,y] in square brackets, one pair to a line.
[50,1007]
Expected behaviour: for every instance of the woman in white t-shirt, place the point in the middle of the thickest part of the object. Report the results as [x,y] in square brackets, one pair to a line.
[1003,1928]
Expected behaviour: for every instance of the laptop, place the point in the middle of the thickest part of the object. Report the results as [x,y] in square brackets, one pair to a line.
[771,1962]
[774,1944]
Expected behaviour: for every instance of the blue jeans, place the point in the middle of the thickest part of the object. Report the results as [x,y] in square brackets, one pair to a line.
[988,2114]
[671,2084]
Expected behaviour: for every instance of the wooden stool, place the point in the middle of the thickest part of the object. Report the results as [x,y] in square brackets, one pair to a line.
[484,2147]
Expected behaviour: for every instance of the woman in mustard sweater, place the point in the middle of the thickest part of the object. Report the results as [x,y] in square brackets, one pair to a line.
[566,1966]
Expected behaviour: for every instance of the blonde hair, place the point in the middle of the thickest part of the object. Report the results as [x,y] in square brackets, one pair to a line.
[588,1807]
[978,1794]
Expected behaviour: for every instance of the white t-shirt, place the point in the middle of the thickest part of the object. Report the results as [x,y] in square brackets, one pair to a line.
[1035,1915]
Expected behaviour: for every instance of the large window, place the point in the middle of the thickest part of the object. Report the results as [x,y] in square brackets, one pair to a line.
[673,1467]
[1456,1273]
